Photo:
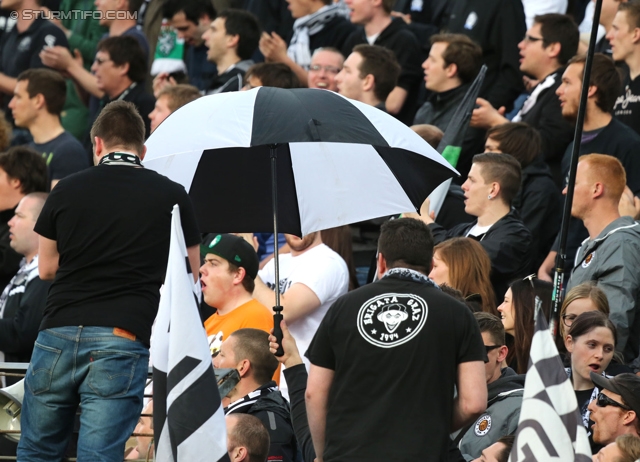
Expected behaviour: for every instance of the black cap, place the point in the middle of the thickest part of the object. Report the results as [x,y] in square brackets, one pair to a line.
[234,249]
[626,385]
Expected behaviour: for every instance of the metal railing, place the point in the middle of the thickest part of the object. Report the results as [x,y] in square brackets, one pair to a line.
[226,378]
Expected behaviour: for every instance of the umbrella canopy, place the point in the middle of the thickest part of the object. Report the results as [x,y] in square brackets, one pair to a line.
[338,161]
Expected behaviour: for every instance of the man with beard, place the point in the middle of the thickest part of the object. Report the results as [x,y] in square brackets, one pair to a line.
[312,277]
[602,134]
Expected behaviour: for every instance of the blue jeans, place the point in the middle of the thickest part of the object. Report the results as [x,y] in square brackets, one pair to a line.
[105,374]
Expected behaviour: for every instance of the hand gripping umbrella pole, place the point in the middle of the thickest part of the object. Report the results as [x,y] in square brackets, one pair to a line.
[277,309]
[558,280]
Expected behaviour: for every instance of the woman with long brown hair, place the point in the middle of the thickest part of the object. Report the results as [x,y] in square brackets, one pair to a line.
[462,263]
[517,312]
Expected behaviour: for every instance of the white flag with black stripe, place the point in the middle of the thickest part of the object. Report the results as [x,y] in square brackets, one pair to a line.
[189,423]
[550,427]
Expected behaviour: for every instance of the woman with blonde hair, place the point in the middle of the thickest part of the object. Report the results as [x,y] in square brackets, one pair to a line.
[580,299]
[462,263]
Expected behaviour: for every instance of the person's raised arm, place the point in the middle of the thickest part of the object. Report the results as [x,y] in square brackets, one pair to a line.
[295,373]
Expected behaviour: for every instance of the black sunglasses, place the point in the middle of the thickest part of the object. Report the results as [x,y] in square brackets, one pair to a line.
[489,348]
[603,401]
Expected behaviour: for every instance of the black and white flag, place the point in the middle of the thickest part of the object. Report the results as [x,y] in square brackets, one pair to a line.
[550,427]
[189,423]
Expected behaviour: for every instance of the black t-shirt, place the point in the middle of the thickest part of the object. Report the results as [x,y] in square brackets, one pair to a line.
[64,155]
[627,107]
[20,51]
[112,227]
[393,388]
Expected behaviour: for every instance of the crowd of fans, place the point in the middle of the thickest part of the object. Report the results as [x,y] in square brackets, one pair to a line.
[492,247]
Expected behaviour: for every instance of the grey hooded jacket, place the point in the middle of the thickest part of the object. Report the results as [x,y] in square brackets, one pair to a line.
[500,418]
[612,259]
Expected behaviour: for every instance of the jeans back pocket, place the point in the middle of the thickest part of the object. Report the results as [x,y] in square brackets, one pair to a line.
[43,362]
[111,372]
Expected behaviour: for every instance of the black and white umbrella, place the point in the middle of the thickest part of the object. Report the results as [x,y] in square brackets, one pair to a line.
[324,160]
[338,161]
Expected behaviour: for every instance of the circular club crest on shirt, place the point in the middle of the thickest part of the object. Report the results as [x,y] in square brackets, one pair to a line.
[588,259]
[483,425]
[390,320]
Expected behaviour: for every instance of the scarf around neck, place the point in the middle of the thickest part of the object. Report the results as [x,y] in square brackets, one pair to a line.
[306,26]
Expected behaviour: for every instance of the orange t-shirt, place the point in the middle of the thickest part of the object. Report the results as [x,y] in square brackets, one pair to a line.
[252,314]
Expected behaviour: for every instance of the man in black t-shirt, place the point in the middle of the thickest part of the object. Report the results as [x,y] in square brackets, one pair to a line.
[104,240]
[625,47]
[36,105]
[386,358]
[603,134]
[20,47]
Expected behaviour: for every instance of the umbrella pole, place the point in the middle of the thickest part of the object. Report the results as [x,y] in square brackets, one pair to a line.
[558,281]
[277,309]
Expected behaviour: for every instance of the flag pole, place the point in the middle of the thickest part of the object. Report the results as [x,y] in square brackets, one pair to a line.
[277,309]
[561,258]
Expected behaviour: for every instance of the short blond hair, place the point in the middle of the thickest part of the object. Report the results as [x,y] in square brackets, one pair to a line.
[609,171]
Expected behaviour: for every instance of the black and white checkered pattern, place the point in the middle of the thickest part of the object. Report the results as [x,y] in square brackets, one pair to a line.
[550,427]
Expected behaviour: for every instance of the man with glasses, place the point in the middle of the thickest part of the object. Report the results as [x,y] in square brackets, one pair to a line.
[544,51]
[325,65]
[616,410]
[505,389]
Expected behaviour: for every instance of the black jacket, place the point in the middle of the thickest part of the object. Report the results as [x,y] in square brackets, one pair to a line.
[539,204]
[22,315]
[9,258]
[497,26]
[398,38]
[230,80]
[508,243]
[273,411]
[438,110]
[296,378]
[546,117]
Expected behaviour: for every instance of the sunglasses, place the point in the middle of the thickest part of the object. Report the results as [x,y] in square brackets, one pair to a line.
[530,278]
[603,401]
[489,348]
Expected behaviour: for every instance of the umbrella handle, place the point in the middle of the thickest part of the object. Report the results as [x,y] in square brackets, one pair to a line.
[277,330]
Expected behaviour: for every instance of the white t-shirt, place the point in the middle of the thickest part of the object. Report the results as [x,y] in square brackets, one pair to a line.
[324,272]
[478,230]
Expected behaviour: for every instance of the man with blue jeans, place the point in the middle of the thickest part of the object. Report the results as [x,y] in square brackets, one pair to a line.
[104,240]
